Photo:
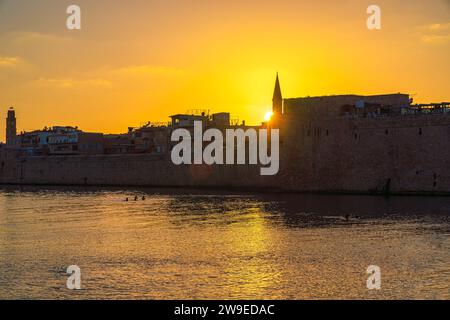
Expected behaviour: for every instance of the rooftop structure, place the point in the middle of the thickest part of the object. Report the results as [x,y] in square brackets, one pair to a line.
[341,105]
[221,120]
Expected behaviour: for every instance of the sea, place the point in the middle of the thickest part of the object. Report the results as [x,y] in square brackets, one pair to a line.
[131,243]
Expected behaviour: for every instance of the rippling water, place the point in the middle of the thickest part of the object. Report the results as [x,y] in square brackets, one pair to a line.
[184,244]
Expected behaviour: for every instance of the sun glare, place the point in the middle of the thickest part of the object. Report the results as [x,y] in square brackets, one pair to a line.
[268,116]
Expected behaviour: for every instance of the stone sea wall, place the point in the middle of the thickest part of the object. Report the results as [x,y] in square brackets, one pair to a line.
[405,155]
[129,170]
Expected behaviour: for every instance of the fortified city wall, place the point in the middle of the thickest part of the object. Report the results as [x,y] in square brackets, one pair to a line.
[319,152]
[397,154]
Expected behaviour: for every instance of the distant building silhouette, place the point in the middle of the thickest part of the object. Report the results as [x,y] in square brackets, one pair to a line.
[11,130]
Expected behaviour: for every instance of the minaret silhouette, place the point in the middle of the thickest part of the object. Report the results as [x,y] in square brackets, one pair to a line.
[277,102]
[11,132]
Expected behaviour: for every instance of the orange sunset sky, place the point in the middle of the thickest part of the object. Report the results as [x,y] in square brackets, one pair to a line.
[136,61]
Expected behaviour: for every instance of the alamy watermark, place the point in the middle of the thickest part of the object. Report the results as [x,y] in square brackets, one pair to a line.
[235,148]
[74,279]
[374,280]
[374,19]
[73,22]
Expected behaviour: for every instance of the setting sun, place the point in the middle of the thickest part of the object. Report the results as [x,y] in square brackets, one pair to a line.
[268,116]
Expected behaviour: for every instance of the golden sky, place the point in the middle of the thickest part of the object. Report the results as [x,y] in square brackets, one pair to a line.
[143,60]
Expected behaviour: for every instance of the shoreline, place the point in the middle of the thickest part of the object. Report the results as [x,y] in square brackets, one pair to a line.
[227,189]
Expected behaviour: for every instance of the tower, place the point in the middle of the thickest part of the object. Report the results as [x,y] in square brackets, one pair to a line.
[277,102]
[11,131]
